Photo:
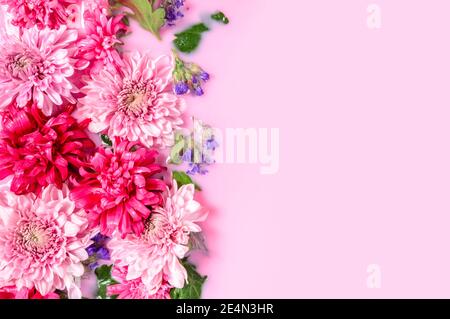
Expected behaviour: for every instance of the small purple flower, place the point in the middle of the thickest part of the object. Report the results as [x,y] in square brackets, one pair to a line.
[211,144]
[204,76]
[100,239]
[91,250]
[188,76]
[187,156]
[181,88]
[94,265]
[173,9]
[196,168]
[198,91]
[97,251]
[103,253]
[171,14]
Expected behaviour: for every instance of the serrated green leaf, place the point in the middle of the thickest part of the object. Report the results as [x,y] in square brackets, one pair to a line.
[104,279]
[149,19]
[184,179]
[193,288]
[105,139]
[188,40]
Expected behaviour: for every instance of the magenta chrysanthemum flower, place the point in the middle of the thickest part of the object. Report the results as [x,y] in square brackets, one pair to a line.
[119,186]
[42,241]
[135,288]
[12,292]
[134,102]
[97,46]
[154,255]
[38,151]
[36,66]
[40,13]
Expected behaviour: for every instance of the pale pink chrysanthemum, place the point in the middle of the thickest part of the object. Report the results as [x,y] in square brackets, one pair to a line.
[133,102]
[98,42]
[42,241]
[155,254]
[40,13]
[135,288]
[36,65]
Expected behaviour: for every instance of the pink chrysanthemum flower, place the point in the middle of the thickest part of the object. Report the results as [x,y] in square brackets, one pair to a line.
[40,13]
[133,102]
[12,292]
[37,150]
[98,43]
[42,241]
[36,65]
[154,255]
[135,288]
[119,186]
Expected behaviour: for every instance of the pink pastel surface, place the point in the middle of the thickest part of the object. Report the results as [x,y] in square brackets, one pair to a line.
[364,119]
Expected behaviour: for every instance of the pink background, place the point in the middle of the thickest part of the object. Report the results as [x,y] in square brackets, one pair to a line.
[364,123]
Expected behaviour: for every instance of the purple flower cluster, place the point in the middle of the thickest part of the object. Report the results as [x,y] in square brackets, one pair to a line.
[188,77]
[97,251]
[173,10]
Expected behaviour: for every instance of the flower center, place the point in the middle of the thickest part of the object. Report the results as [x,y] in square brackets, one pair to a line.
[109,41]
[22,65]
[157,229]
[135,99]
[38,238]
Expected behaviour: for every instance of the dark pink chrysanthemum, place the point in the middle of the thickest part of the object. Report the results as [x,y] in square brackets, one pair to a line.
[99,40]
[119,186]
[134,288]
[11,292]
[38,150]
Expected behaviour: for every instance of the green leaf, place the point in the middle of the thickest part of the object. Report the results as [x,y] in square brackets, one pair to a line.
[150,19]
[197,28]
[220,17]
[193,288]
[188,40]
[184,179]
[106,139]
[104,279]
